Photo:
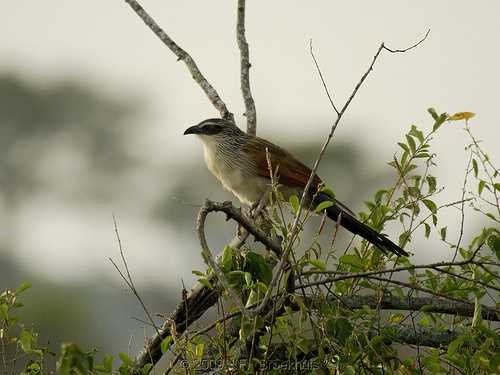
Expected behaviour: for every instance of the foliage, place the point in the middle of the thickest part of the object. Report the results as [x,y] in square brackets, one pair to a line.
[309,327]
[334,336]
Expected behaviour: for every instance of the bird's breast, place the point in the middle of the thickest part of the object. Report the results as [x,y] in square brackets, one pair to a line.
[235,174]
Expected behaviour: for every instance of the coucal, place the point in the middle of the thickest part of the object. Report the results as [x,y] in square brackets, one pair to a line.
[238,160]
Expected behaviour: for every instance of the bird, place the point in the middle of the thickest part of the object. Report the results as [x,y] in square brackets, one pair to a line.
[240,162]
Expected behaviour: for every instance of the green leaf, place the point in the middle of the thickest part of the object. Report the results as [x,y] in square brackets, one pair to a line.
[323,206]
[494,245]
[295,203]
[443,233]
[440,121]
[165,344]
[475,167]
[26,340]
[204,281]
[74,360]
[146,369]
[404,238]
[258,266]
[379,194]
[497,186]
[454,345]
[427,230]
[227,259]
[199,349]
[434,220]
[126,359]
[253,297]
[107,365]
[404,146]
[236,277]
[21,288]
[328,191]
[245,329]
[430,205]
[416,133]
[197,273]
[411,143]
[352,260]
[4,311]
[248,278]
[433,113]
[340,329]
[431,181]
[317,263]
[414,191]
[481,186]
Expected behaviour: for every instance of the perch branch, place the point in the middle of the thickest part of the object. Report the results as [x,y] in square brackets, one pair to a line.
[201,298]
[207,254]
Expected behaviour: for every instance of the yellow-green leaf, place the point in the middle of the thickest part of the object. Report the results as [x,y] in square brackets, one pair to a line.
[295,203]
[461,116]
[165,344]
[323,206]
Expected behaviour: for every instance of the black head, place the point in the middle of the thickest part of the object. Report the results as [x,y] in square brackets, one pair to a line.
[213,126]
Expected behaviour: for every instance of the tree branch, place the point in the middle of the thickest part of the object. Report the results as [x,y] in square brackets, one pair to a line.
[201,298]
[182,55]
[250,111]
[207,254]
[294,231]
[390,302]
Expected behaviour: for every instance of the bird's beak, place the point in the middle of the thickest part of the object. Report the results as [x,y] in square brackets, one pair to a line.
[192,130]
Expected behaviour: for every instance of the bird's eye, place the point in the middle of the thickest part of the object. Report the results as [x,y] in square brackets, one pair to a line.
[211,129]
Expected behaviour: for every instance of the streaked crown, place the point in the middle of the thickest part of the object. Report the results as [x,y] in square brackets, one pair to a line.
[214,126]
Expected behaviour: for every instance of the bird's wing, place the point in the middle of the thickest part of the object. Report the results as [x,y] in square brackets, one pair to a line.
[291,172]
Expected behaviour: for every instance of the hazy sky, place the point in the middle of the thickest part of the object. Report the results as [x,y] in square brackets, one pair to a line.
[105,44]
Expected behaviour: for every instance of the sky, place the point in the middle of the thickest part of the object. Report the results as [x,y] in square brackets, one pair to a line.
[104,44]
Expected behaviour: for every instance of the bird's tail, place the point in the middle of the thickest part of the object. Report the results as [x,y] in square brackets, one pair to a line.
[349,222]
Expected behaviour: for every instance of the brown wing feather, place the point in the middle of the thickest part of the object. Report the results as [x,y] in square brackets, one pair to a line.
[291,172]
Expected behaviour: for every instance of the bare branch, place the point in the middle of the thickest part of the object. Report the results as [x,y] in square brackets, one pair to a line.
[200,226]
[318,69]
[128,278]
[411,47]
[295,226]
[236,214]
[250,111]
[182,55]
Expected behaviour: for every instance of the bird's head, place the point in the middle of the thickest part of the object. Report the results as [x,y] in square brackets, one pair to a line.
[214,129]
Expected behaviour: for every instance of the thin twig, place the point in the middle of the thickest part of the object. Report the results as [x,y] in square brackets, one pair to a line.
[462,208]
[318,69]
[295,226]
[250,111]
[182,55]
[128,278]
[411,47]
